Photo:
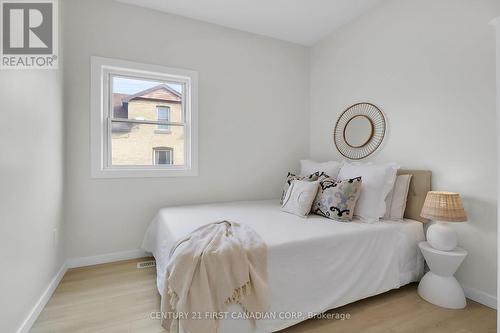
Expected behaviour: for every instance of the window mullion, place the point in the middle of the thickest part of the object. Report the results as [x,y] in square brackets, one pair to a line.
[148,122]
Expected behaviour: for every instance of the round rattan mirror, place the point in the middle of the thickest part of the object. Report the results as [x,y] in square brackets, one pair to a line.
[359,131]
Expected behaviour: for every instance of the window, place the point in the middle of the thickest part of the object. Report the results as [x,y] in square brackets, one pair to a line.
[133,107]
[163,156]
[163,115]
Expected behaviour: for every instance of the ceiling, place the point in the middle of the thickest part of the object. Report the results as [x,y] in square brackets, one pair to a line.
[300,21]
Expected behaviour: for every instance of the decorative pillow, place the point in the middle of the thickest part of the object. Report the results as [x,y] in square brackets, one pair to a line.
[330,168]
[337,199]
[378,180]
[310,178]
[396,199]
[299,197]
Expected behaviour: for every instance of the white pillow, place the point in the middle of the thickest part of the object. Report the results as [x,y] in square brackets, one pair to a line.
[331,168]
[377,182]
[300,197]
[396,199]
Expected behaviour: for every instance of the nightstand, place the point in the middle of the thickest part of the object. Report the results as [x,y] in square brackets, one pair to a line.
[439,286]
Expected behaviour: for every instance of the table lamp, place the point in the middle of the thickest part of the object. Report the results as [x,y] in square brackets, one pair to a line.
[443,207]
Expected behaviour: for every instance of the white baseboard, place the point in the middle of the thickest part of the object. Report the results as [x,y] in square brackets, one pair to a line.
[105,258]
[40,304]
[481,297]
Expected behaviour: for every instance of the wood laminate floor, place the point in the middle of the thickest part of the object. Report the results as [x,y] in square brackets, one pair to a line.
[118,297]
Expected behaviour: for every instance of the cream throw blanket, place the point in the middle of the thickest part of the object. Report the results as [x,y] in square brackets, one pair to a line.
[216,265]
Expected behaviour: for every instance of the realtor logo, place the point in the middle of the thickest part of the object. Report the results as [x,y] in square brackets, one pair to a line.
[29,34]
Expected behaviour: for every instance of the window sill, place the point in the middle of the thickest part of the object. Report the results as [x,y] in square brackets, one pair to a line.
[144,173]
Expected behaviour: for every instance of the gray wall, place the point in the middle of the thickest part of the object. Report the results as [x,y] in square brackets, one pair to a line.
[430,66]
[31,187]
[253,104]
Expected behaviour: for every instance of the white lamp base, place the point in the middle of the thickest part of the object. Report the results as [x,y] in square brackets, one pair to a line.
[442,237]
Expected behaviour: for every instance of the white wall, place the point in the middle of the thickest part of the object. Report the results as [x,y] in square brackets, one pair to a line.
[253,106]
[31,189]
[496,25]
[430,66]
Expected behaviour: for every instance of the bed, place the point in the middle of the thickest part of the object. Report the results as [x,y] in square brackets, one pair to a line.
[314,264]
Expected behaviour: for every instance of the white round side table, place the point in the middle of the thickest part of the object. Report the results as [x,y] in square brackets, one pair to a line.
[439,286]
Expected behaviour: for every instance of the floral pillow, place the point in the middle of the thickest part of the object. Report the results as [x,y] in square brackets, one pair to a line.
[311,178]
[336,199]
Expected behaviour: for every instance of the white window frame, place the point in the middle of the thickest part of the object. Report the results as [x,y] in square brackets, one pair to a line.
[100,118]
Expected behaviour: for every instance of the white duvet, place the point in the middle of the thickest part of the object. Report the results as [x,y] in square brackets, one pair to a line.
[314,264]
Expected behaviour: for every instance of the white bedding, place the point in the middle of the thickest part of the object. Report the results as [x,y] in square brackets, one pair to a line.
[314,264]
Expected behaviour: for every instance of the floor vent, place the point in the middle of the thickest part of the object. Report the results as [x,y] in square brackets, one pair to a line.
[146,264]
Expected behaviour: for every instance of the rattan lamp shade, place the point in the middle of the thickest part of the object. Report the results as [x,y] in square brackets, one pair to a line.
[443,206]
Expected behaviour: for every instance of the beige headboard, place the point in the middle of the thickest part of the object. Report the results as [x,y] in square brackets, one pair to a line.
[419,186]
